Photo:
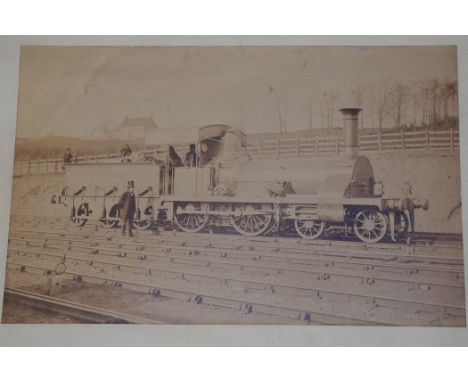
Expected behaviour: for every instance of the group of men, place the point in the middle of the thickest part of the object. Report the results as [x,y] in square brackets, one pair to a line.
[191,158]
[127,201]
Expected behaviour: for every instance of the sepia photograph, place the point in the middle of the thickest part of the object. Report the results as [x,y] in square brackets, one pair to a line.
[241,185]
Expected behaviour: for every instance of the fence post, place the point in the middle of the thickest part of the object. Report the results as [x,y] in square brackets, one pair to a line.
[427,139]
[317,148]
[47,165]
[452,139]
[56,165]
[380,141]
[337,145]
[38,164]
[278,151]
[29,167]
[297,146]
[403,146]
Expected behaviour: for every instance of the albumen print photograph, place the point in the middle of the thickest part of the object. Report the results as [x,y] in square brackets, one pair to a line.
[292,185]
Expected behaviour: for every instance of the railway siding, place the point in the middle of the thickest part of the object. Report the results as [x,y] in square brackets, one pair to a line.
[274,279]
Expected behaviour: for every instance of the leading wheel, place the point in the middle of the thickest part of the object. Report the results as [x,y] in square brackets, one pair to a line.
[309,229]
[370,226]
[251,219]
[191,217]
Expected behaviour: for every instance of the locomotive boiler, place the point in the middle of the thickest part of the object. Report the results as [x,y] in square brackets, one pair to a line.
[254,197]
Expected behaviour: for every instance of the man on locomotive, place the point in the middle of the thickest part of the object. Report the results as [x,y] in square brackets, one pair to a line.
[173,159]
[127,205]
[191,157]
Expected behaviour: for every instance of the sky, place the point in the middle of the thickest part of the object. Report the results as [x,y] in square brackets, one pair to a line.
[73,91]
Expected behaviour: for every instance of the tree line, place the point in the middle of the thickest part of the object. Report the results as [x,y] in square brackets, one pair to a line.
[430,103]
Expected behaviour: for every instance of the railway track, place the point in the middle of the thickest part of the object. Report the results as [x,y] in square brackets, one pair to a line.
[439,240]
[323,283]
[420,248]
[309,264]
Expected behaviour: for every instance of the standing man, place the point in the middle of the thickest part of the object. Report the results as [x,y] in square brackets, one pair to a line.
[125,153]
[67,156]
[173,159]
[191,158]
[127,208]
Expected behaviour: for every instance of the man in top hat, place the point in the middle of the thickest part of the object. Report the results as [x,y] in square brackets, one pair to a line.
[127,204]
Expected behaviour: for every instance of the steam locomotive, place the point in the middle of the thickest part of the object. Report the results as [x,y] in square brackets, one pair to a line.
[254,197]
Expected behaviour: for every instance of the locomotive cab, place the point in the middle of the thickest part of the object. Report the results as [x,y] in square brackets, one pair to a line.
[215,146]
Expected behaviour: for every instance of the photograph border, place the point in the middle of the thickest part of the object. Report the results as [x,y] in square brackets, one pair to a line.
[209,335]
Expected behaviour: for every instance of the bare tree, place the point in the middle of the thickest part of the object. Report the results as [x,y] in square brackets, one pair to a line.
[451,89]
[358,101]
[310,114]
[280,120]
[434,92]
[322,119]
[382,101]
[329,101]
[398,96]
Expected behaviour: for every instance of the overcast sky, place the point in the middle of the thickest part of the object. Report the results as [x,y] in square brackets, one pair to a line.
[71,91]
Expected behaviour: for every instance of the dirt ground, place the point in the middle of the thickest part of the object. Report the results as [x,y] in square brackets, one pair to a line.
[18,313]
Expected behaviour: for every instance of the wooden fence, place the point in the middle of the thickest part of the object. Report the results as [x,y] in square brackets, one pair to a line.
[447,140]
[327,146]
[55,165]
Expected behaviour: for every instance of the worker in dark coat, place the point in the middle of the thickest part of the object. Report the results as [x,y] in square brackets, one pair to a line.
[67,156]
[125,153]
[127,208]
[173,158]
[191,158]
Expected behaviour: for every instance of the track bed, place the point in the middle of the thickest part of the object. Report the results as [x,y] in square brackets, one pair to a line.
[175,277]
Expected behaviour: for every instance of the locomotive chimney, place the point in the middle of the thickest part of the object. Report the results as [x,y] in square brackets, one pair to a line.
[350,130]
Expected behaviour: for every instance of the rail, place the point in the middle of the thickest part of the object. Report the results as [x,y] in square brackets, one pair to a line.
[81,312]
[445,140]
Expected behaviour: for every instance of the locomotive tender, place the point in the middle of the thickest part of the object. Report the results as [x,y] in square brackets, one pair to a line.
[251,196]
